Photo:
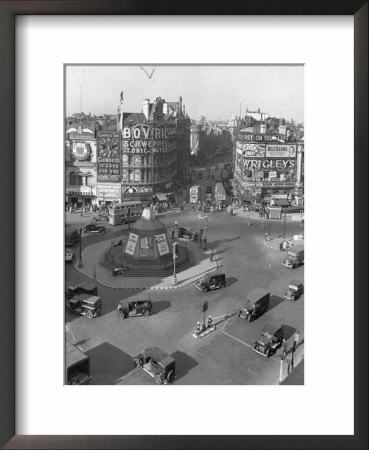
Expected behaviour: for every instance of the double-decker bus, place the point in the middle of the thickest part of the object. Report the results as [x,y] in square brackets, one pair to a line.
[219,193]
[194,194]
[122,213]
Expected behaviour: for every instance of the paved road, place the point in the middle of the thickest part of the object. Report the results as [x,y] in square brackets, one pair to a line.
[224,357]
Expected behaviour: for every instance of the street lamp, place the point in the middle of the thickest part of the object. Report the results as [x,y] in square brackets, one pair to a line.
[284,226]
[205,227]
[80,263]
[296,339]
[175,256]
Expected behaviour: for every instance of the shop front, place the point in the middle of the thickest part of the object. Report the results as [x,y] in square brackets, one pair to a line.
[79,198]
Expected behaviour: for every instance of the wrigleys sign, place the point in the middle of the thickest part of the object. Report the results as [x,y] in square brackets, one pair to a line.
[145,138]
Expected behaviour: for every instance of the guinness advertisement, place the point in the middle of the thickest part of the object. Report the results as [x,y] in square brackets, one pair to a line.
[108,156]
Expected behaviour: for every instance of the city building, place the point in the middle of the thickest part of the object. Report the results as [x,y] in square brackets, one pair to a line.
[268,164]
[80,163]
[147,155]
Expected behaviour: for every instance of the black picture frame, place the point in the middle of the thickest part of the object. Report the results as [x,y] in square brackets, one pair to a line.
[8,11]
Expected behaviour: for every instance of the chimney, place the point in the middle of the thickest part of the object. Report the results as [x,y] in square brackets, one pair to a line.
[180,104]
[146,108]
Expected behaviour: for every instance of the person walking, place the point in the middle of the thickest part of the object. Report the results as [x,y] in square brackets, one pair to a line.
[211,256]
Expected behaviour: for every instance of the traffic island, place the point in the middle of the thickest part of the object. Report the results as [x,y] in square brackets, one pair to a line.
[92,268]
[204,333]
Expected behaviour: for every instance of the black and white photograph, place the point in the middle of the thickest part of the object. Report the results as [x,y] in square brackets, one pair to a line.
[184,224]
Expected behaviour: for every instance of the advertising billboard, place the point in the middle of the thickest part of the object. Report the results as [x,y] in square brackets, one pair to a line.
[109,191]
[144,138]
[162,244]
[108,156]
[131,244]
[281,151]
[254,150]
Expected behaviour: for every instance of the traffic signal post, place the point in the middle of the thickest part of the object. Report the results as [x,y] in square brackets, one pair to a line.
[175,256]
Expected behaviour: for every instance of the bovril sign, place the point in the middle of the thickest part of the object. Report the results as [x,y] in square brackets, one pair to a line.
[145,138]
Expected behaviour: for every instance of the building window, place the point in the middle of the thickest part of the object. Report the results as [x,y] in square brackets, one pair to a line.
[73,179]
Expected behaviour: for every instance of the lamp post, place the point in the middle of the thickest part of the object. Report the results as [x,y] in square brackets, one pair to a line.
[199,230]
[205,227]
[175,256]
[284,226]
[80,263]
[296,339]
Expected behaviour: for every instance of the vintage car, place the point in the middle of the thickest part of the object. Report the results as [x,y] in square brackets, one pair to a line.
[81,288]
[93,228]
[295,257]
[85,304]
[271,339]
[71,237]
[157,364]
[77,366]
[257,303]
[136,307]
[186,233]
[69,255]
[211,281]
[103,217]
[294,291]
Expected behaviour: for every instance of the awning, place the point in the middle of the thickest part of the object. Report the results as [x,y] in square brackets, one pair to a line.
[161,197]
[247,198]
[282,201]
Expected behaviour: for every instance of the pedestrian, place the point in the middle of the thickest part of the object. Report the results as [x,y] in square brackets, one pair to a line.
[210,322]
[284,347]
[198,327]
[280,246]
[211,256]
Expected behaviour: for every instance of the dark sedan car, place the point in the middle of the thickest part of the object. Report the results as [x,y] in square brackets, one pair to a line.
[93,228]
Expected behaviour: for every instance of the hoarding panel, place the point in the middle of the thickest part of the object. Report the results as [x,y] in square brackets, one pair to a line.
[281,151]
[108,156]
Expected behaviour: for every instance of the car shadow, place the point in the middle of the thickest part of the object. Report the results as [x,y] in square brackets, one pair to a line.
[160,305]
[108,364]
[231,280]
[184,363]
[274,301]
[288,331]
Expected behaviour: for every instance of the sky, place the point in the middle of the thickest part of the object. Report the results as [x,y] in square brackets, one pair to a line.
[215,91]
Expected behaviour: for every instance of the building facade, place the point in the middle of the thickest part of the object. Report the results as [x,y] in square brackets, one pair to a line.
[80,164]
[268,165]
[145,157]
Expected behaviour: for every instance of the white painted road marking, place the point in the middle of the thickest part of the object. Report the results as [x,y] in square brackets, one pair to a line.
[238,340]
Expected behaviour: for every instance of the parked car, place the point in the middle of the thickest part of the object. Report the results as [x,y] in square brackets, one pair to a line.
[256,304]
[157,364]
[69,255]
[104,217]
[271,339]
[295,257]
[211,281]
[186,233]
[77,366]
[93,228]
[71,237]
[139,306]
[294,291]
[81,288]
[85,304]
